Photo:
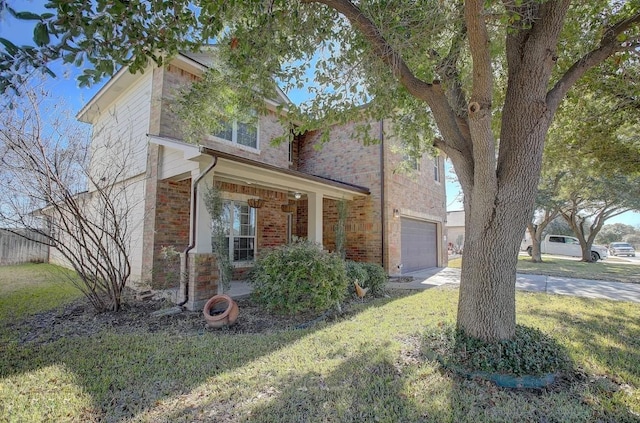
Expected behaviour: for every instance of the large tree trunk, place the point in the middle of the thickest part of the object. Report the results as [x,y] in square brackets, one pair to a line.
[494,228]
[495,224]
[499,201]
[486,308]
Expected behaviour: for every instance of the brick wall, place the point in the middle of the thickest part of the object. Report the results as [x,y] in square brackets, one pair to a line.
[271,221]
[415,194]
[203,280]
[301,219]
[177,79]
[362,233]
[174,80]
[171,230]
[347,160]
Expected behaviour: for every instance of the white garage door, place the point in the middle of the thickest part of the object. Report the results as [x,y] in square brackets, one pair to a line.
[419,246]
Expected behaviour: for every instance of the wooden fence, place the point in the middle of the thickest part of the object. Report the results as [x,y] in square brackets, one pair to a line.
[15,249]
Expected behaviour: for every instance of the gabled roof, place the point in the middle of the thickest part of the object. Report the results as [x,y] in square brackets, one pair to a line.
[123,79]
[206,60]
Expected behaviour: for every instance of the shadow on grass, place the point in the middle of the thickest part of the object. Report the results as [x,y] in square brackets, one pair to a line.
[608,333]
[604,339]
[367,387]
[127,374]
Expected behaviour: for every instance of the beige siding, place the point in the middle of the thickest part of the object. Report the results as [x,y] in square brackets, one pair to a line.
[128,196]
[120,131]
[173,164]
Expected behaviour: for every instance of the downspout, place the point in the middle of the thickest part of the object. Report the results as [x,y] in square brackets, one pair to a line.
[382,199]
[184,272]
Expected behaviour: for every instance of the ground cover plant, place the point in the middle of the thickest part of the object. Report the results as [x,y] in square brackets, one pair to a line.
[609,270]
[368,365]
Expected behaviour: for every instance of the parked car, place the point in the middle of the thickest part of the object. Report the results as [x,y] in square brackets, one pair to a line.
[621,249]
[563,245]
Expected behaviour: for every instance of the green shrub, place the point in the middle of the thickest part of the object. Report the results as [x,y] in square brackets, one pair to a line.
[376,278]
[368,275]
[299,277]
[355,272]
[530,352]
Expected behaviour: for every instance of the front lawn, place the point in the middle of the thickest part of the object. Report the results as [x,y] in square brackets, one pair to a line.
[367,366]
[32,288]
[607,270]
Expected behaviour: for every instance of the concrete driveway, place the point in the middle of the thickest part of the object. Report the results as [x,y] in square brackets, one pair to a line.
[587,288]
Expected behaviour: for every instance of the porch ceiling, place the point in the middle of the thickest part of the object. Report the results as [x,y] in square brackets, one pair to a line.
[245,171]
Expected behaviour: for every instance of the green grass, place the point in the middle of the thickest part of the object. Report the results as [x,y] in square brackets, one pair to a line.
[603,270]
[368,367]
[33,288]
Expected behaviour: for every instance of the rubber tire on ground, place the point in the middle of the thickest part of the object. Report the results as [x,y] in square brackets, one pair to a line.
[595,256]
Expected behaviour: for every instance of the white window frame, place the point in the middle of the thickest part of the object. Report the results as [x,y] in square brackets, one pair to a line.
[252,212]
[436,169]
[234,137]
[412,162]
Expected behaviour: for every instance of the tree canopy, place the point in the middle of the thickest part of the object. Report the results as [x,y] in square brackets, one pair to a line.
[591,164]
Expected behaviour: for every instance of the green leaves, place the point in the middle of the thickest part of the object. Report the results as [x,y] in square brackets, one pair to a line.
[530,352]
[41,34]
[11,48]
[25,16]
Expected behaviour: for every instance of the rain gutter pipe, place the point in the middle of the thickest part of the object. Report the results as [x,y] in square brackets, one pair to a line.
[184,274]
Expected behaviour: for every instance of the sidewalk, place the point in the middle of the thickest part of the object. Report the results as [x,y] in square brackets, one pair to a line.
[587,288]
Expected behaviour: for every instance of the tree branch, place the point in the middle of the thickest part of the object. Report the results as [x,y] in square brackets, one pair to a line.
[609,44]
[480,54]
[431,93]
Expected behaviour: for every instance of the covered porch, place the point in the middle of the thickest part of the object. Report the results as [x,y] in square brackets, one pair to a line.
[267,205]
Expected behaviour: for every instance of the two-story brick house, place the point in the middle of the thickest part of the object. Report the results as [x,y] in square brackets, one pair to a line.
[394,219]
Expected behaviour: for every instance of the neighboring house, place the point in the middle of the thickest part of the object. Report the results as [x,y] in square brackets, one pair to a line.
[394,219]
[455,232]
[455,229]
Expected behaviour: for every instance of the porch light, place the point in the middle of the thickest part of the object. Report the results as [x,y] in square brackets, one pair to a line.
[255,203]
[396,213]
[297,195]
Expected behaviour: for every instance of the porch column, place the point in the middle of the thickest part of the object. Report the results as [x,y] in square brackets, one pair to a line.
[203,220]
[314,230]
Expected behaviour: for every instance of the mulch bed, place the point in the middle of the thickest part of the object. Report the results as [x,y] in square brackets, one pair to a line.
[79,319]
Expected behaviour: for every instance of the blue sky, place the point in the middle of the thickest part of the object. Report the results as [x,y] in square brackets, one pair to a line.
[66,87]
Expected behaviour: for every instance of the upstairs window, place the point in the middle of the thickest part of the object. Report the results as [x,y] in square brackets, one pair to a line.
[436,169]
[412,162]
[239,133]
